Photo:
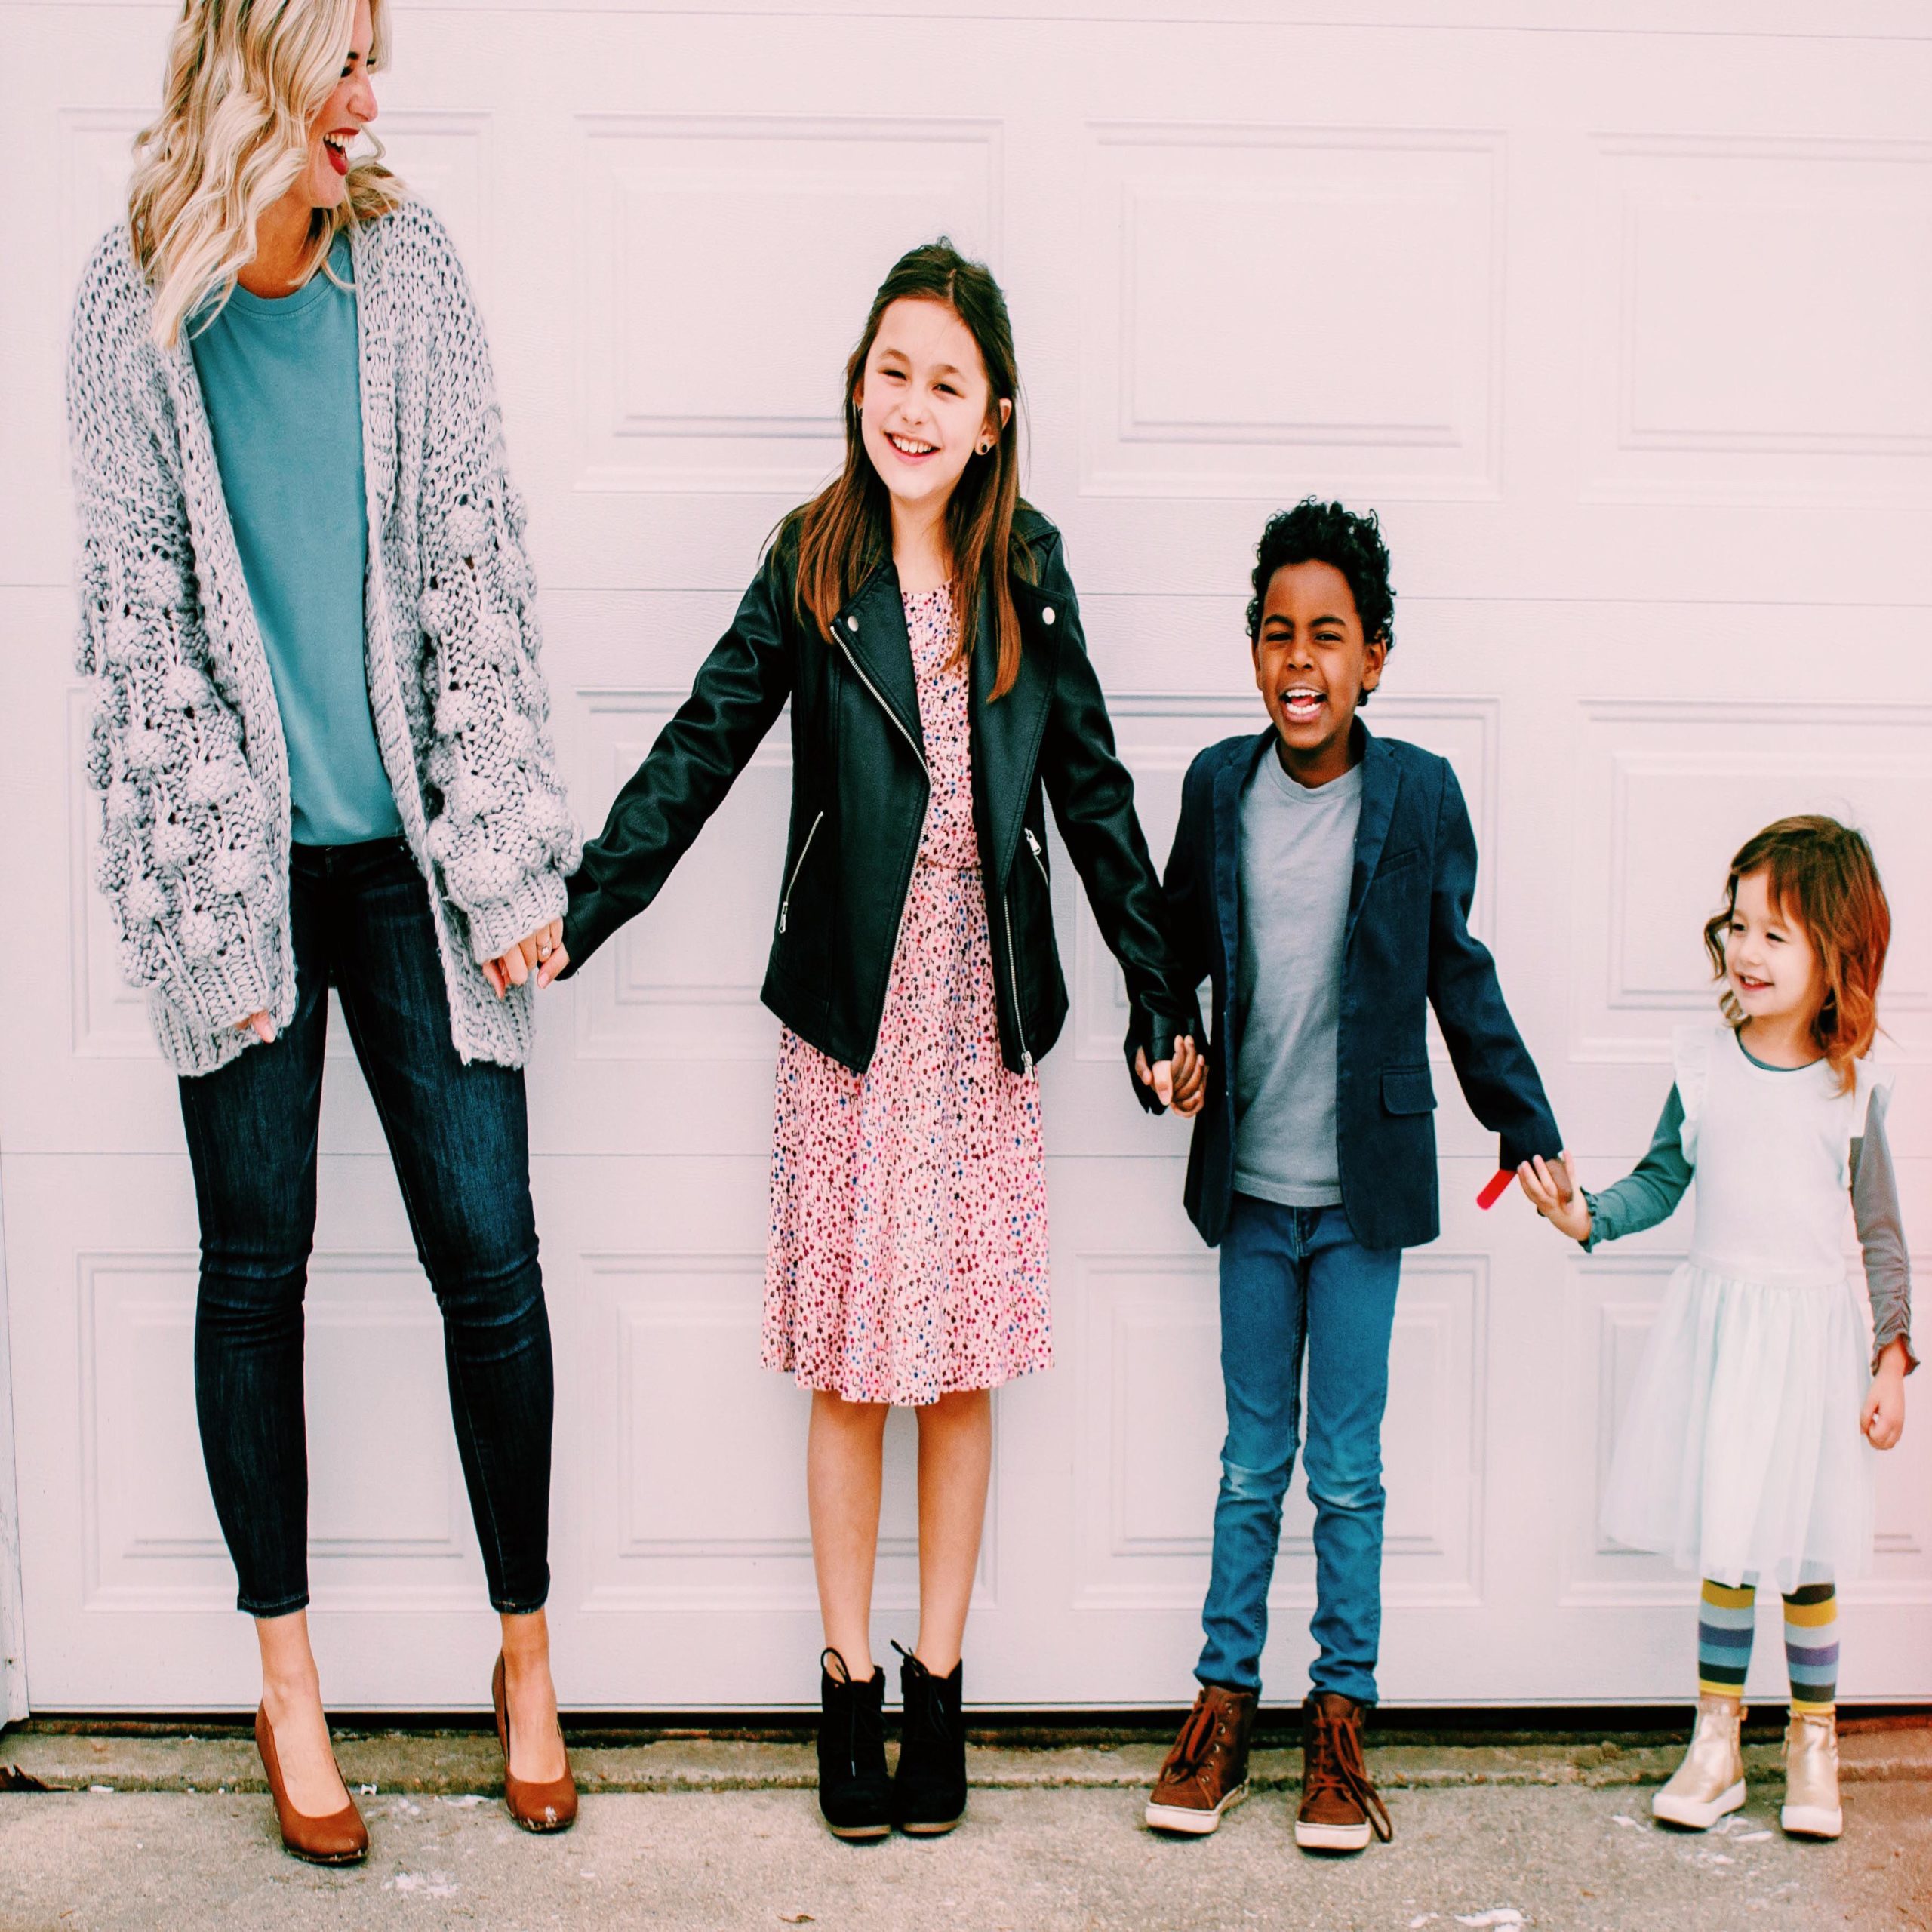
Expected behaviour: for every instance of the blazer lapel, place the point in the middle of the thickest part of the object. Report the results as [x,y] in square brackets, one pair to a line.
[1381,778]
[1006,734]
[1229,783]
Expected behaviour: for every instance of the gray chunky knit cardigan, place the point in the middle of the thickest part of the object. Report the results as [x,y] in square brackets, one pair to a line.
[187,746]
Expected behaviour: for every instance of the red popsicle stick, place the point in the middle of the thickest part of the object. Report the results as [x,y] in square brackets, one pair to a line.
[1497,1188]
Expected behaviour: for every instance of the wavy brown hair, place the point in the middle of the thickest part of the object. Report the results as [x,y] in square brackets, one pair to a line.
[845,533]
[1822,875]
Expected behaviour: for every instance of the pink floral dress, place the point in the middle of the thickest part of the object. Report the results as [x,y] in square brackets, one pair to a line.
[908,1253]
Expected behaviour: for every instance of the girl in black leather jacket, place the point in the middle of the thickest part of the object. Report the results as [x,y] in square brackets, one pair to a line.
[919,618]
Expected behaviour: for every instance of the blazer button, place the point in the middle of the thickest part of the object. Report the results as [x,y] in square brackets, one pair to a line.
[1047,614]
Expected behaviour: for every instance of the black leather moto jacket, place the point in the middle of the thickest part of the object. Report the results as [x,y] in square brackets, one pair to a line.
[859,793]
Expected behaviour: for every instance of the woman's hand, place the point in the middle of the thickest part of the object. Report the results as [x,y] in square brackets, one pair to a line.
[530,955]
[1882,1418]
[262,1024]
[1559,1202]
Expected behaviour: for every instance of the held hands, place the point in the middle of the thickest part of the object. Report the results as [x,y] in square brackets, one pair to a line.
[1554,1196]
[1882,1418]
[1180,1082]
[542,953]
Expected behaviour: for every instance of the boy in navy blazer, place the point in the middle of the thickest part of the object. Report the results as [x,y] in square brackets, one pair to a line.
[1321,877]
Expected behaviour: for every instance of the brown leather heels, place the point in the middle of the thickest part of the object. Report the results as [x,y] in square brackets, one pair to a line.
[537,1807]
[341,1838]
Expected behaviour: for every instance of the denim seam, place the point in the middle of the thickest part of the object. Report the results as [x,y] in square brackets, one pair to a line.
[452,1368]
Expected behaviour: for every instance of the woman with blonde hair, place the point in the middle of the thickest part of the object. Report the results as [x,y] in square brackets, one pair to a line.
[321,737]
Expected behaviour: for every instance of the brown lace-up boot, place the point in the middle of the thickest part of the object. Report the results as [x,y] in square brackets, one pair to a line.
[1206,1772]
[1339,1805]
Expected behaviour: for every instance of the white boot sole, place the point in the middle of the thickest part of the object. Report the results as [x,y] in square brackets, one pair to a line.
[1811,1821]
[1189,1822]
[1695,1816]
[1332,1838]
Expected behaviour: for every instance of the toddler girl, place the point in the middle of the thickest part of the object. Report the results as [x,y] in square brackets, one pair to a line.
[1738,1454]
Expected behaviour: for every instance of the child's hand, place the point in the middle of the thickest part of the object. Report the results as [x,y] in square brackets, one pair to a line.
[536,954]
[1190,1075]
[1171,1078]
[1883,1416]
[1554,1197]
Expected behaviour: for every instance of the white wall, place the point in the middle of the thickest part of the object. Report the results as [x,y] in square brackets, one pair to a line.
[1620,314]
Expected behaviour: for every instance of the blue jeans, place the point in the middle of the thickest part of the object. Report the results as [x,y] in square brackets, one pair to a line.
[457,1133]
[1295,1280]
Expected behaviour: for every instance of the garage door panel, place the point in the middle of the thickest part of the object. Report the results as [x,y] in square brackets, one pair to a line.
[1622,332]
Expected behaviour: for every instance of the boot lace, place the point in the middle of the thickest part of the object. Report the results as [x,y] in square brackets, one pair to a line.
[933,1709]
[862,1724]
[1197,1737]
[1335,1765]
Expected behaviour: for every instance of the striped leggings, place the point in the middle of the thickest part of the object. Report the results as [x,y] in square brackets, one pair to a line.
[1725,1615]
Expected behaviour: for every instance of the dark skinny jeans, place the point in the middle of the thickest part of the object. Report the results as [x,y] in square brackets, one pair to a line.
[458,1136]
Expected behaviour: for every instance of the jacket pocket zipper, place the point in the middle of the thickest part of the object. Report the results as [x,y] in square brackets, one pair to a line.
[878,698]
[1039,858]
[784,904]
[1012,974]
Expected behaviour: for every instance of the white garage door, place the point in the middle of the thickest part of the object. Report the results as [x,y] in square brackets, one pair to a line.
[1627,331]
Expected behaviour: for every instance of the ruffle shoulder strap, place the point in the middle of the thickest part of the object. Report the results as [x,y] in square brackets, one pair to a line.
[1690,1062]
[1869,1080]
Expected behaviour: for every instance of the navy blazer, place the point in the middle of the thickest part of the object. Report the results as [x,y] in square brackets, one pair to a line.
[1406,946]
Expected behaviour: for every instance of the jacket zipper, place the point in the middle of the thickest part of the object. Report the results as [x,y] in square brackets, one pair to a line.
[1012,978]
[1006,911]
[858,672]
[784,904]
[1013,967]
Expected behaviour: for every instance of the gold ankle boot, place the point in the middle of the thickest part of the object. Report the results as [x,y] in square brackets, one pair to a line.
[1811,1809]
[1710,1781]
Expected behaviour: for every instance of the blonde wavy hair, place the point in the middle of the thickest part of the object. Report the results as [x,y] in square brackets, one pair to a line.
[244,79]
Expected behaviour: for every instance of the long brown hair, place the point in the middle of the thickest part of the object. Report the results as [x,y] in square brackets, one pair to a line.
[1823,875]
[845,532]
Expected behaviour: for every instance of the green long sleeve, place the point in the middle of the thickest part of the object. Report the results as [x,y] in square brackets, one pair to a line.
[1651,1190]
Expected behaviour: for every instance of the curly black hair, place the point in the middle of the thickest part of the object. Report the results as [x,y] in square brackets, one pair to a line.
[1314,532]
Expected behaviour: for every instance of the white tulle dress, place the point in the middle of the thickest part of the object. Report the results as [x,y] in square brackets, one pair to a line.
[1740,1454]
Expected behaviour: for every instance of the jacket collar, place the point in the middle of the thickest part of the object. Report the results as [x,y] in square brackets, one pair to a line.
[1229,783]
[1381,778]
[1006,734]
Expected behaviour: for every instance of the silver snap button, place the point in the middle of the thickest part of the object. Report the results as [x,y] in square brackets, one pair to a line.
[851,623]
[1047,615]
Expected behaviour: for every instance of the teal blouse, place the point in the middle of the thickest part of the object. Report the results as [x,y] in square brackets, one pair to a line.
[281,380]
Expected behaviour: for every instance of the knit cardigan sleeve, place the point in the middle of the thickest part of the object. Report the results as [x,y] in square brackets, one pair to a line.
[501,828]
[186,855]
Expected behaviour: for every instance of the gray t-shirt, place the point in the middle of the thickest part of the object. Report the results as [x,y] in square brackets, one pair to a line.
[1297,858]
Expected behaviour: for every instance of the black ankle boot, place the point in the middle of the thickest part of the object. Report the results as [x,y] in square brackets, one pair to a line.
[853,1791]
[929,1787]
